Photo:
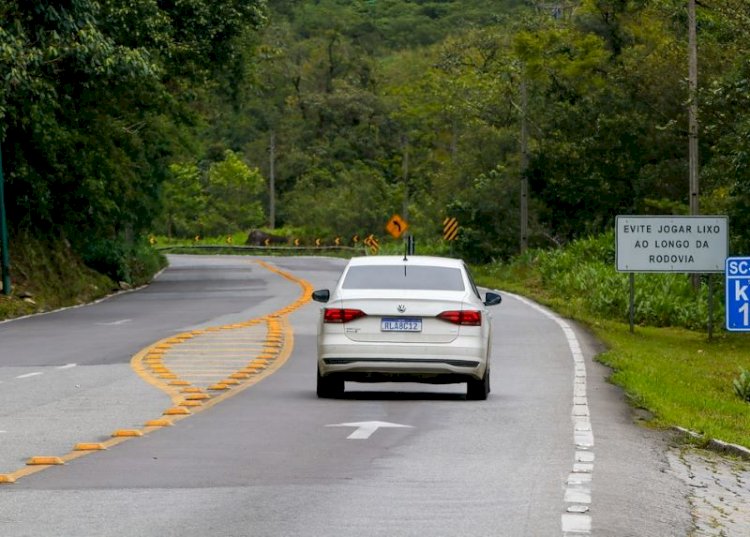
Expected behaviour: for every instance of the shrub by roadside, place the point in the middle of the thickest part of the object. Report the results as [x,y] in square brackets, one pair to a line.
[667,366]
[47,274]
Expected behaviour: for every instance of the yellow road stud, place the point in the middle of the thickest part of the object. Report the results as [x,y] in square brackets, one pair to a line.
[89,446]
[123,433]
[176,411]
[44,461]
[158,423]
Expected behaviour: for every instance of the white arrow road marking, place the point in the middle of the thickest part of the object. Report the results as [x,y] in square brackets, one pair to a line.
[114,323]
[366,428]
[66,366]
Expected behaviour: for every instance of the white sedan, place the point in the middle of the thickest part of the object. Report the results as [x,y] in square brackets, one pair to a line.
[395,318]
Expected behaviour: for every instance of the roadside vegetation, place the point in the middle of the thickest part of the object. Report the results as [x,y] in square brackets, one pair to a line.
[667,366]
[122,121]
[48,274]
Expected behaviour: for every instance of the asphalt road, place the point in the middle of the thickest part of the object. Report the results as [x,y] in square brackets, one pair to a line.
[552,452]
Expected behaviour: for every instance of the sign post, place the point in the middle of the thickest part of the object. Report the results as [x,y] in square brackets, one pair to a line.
[688,244]
[738,294]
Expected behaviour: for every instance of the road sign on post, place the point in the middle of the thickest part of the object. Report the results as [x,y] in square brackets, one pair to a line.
[690,244]
[668,243]
[738,294]
[450,229]
[373,243]
[396,226]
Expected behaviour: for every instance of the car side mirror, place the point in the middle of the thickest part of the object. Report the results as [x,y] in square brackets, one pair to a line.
[322,295]
[492,299]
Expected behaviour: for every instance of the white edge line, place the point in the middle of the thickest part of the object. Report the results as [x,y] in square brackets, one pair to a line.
[28,375]
[97,301]
[576,492]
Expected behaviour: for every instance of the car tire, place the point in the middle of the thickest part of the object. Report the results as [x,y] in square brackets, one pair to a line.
[478,390]
[328,387]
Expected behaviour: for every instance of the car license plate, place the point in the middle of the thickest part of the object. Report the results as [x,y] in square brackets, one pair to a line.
[401,324]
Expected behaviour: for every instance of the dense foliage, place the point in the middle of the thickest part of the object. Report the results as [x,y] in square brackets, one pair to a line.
[98,98]
[119,118]
[580,280]
[429,120]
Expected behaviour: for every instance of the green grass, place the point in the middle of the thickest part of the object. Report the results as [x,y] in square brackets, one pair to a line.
[681,377]
[675,373]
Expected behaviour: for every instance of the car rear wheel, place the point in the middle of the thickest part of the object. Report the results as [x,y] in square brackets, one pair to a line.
[477,390]
[329,386]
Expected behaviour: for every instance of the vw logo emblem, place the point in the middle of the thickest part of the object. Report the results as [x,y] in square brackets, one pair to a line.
[401,308]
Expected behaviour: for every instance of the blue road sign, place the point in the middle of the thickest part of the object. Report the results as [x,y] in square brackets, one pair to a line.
[737,271]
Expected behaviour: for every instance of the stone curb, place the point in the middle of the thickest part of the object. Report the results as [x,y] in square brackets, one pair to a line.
[716,445]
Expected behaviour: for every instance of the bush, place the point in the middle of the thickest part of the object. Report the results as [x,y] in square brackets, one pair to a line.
[742,385]
[584,273]
[134,264]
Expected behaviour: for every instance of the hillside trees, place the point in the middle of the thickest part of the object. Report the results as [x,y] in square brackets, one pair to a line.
[99,97]
[115,112]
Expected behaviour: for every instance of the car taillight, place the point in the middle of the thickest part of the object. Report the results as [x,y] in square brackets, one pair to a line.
[462,317]
[341,315]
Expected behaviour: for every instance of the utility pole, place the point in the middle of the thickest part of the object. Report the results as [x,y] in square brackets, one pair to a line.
[272,181]
[524,167]
[693,119]
[693,109]
[405,175]
[4,243]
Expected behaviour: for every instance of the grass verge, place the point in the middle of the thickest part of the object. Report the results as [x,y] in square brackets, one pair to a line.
[676,374]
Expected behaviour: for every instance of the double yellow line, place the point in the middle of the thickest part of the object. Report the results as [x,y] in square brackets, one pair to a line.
[162,365]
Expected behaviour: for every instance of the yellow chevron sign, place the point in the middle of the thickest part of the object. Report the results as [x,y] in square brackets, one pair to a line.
[450,229]
[373,243]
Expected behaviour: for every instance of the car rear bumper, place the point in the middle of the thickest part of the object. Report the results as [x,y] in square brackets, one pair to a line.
[440,363]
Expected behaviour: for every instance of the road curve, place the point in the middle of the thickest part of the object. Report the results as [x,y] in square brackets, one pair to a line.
[532,460]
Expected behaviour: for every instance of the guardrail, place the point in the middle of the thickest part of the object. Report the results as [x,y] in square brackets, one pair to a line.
[247,247]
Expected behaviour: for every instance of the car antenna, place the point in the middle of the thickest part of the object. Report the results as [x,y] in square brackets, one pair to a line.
[408,247]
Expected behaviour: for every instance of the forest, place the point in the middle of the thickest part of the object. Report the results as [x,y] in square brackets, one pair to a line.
[182,118]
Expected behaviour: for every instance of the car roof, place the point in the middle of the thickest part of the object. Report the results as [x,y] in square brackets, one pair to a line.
[386,260]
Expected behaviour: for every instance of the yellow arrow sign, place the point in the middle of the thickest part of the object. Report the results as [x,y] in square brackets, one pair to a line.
[396,226]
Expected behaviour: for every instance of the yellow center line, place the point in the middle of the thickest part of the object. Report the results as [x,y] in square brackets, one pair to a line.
[276,345]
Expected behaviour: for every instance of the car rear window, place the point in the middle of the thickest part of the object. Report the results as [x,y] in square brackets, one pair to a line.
[417,277]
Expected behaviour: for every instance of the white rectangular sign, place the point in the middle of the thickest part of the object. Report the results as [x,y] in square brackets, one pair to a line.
[671,243]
